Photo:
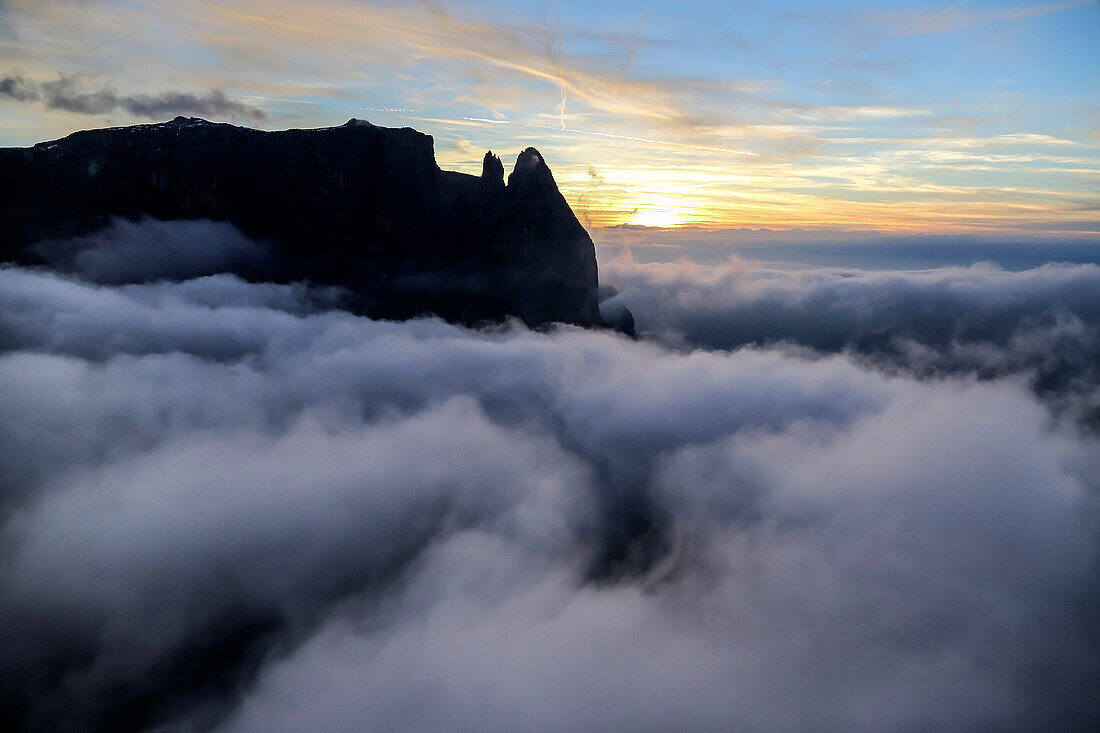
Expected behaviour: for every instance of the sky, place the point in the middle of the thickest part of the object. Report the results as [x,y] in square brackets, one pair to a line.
[895,117]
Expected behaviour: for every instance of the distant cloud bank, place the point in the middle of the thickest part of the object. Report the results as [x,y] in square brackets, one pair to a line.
[227,505]
[1042,324]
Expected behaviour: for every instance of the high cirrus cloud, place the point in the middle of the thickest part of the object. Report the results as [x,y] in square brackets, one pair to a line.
[228,506]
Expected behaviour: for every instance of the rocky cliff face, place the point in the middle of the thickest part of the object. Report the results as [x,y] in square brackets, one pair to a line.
[360,206]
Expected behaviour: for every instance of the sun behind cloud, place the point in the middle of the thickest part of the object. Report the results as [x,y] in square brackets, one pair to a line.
[661,218]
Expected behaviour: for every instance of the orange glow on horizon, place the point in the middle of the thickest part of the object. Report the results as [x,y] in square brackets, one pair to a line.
[646,199]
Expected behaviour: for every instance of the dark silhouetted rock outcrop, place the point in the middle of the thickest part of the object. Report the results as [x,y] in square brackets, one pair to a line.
[359,206]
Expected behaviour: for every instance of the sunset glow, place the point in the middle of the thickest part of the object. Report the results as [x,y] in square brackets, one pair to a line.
[899,118]
[655,218]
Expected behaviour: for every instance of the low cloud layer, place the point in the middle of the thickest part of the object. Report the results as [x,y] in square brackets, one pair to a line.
[1042,324]
[224,505]
[144,250]
[69,94]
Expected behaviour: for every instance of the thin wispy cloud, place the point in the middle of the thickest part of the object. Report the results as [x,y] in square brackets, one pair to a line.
[950,20]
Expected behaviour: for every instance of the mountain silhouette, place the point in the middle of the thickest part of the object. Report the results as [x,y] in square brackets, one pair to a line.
[358,206]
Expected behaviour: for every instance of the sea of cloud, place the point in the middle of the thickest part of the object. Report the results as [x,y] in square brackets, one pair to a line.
[814,499]
[979,320]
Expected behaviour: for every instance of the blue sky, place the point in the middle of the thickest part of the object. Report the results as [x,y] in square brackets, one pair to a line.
[905,117]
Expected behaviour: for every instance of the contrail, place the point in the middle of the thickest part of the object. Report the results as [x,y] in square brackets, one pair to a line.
[732,151]
[561,71]
[574,130]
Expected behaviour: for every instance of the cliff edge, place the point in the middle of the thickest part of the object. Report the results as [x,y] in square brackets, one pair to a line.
[359,206]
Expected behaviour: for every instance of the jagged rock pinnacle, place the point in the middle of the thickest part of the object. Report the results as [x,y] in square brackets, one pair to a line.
[529,158]
[531,173]
[492,171]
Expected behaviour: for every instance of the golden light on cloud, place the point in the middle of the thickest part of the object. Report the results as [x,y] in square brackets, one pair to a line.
[660,218]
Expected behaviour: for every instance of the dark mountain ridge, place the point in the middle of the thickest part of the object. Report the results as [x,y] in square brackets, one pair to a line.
[359,206]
